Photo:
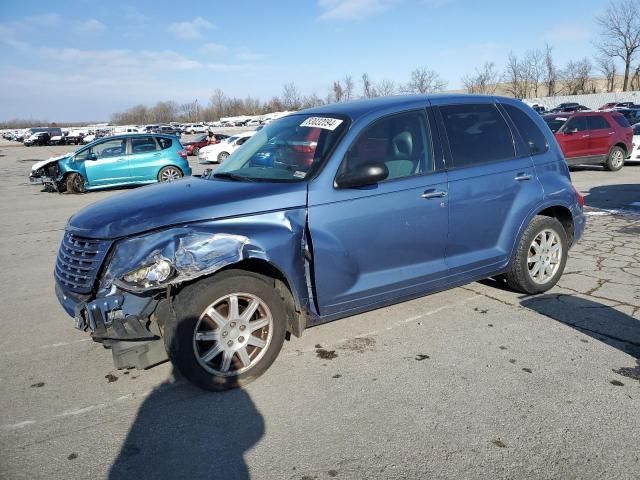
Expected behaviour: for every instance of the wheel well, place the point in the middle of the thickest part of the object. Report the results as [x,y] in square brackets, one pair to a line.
[296,321]
[622,146]
[563,215]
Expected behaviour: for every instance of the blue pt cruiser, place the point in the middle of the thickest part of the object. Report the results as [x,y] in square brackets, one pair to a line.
[385,200]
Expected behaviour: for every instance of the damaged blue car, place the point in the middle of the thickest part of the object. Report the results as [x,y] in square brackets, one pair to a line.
[362,205]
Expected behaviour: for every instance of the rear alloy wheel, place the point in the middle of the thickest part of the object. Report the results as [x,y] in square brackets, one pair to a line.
[540,257]
[615,160]
[222,156]
[195,151]
[74,183]
[228,329]
[169,174]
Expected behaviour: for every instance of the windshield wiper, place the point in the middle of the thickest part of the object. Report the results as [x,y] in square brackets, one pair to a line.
[232,176]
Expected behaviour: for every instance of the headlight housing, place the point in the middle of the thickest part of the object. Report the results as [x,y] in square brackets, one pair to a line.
[148,276]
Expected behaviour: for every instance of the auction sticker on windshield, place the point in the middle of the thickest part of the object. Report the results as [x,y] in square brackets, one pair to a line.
[322,122]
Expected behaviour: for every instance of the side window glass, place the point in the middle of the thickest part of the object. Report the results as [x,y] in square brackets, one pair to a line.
[529,131]
[578,123]
[110,148]
[477,134]
[164,142]
[143,145]
[82,155]
[402,142]
[598,122]
[241,141]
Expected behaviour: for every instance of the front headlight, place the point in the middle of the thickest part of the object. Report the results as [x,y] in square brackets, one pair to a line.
[152,275]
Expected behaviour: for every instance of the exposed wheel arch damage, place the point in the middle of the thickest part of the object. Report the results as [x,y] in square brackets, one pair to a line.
[261,244]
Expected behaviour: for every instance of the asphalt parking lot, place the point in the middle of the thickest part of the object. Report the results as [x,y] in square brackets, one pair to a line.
[476,382]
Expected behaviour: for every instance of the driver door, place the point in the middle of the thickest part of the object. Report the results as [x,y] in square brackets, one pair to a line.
[376,243]
[111,164]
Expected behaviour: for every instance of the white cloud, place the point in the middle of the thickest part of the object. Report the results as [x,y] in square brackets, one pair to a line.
[567,33]
[46,20]
[193,30]
[247,55]
[214,48]
[91,26]
[28,24]
[352,9]
[133,14]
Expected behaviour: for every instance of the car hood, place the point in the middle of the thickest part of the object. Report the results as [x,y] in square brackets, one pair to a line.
[189,200]
[38,165]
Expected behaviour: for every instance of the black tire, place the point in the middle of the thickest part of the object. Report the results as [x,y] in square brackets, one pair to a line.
[519,276]
[191,303]
[615,159]
[222,156]
[169,173]
[74,183]
[195,151]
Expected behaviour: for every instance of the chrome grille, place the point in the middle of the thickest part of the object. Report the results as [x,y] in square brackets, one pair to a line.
[79,260]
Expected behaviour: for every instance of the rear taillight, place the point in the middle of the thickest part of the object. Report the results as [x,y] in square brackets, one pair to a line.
[183,154]
[579,196]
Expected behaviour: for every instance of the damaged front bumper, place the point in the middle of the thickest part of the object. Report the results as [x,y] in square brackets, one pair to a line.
[128,324]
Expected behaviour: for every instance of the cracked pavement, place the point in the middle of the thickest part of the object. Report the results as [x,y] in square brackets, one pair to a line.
[475,382]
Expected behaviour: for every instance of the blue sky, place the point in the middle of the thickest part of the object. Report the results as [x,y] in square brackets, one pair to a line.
[84,60]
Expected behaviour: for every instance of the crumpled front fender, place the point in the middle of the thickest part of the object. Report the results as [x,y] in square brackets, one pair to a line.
[200,249]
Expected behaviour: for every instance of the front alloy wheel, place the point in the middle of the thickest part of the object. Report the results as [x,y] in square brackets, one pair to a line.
[233,334]
[227,329]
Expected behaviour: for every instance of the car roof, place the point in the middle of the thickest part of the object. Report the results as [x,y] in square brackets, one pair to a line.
[359,108]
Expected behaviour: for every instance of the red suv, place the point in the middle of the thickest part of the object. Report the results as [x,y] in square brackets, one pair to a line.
[593,137]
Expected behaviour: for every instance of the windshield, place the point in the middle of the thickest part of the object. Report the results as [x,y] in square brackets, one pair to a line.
[555,123]
[287,150]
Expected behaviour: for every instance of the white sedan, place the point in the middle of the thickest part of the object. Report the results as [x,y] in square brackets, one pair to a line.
[218,152]
[635,153]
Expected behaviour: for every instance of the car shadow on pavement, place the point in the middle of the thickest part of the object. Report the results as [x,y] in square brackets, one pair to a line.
[601,322]
[613,196]
[181,431]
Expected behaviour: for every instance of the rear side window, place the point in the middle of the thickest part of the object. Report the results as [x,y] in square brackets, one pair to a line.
[620,120]
[143,145]
[529,131]
[578,124]
[597,122]
[402,142]
[164,142]
[477,134]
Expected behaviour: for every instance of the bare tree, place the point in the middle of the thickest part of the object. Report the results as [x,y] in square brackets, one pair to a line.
[424,80]
[291,97]
[483,81]
[576,76]
[368,90]
[607,66]
[386,88]
[349,88]
[311,100]
[550,75]
[635,79]
[338,91]
[534,65]
[516,77]
[620,33]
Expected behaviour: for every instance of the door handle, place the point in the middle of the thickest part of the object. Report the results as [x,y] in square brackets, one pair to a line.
[121,160]
[433,193]
[523,176]
[611,133]
[586,136]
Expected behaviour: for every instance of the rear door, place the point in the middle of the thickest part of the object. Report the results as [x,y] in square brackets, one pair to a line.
[377,243]
[600,133]
[492,187]
[144,158]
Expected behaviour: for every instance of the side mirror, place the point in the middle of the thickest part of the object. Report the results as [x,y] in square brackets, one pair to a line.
[571,130]
[92,156]
[363,175]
